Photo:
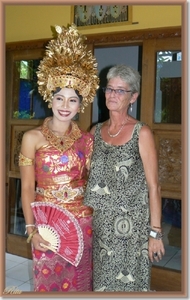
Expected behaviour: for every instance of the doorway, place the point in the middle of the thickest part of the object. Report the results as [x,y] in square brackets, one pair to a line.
[106,58]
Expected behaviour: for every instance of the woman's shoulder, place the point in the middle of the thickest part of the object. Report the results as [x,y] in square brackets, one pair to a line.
[34,132]
[140,128]
[145,131]
[140,125]
[37,130]
[32,138]
[144,126]
[30,141]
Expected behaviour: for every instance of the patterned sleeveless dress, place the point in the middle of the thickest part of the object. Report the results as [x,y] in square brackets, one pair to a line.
[61,180]
[118,193]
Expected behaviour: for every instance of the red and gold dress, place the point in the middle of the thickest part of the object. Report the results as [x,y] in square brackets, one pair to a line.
[61,174]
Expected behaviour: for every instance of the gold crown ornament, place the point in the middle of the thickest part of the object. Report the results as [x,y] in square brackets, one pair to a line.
[68,63]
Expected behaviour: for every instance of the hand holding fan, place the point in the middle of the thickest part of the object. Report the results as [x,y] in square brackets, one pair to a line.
[60,228]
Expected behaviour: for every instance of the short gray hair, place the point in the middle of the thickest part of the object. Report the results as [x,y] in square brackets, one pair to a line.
[128,75]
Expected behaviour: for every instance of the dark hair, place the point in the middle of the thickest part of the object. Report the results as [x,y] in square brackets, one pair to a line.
[80,97]
[56,91]
[76,91]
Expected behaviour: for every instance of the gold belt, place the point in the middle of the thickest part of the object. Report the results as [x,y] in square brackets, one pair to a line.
[80,212]
[75,207]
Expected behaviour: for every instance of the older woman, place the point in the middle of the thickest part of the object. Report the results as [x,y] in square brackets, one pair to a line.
[123,189]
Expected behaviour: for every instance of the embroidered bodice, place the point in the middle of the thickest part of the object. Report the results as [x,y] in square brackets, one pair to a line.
[61,175]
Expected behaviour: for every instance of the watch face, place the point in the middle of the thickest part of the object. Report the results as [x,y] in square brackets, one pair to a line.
[153,234]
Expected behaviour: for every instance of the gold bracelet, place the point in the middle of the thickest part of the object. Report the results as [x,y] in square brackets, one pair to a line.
[31,235]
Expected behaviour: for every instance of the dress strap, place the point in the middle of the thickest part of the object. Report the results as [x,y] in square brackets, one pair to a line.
[137,129]
[98,130]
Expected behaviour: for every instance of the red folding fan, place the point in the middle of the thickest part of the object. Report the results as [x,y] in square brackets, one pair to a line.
[60,228]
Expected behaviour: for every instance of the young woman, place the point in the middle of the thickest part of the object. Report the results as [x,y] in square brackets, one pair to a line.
[54,161]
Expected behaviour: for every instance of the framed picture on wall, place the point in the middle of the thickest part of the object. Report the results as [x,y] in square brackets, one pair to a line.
[104,15]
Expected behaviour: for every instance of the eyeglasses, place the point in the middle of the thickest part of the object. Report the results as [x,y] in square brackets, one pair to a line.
[117,91]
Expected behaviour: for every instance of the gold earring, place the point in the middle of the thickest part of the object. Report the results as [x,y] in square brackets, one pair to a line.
[50,101]
[50,104]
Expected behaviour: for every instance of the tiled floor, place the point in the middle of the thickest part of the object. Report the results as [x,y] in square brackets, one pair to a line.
[19,269]
[18,273]
[171,259]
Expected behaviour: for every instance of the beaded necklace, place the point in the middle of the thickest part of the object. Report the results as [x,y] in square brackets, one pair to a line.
[64,142]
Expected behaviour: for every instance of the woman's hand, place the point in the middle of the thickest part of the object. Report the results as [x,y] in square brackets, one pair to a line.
[39,243]
[155,249]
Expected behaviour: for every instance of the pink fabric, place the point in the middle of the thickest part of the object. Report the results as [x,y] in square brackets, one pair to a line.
[61,179]
[53,273]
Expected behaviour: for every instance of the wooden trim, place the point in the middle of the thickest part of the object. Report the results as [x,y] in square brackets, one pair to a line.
[22,247]
[27,45]
[14,174]
[85,118]
[170,193]
[148,77]
[133,36]
[108,38]
[164,279]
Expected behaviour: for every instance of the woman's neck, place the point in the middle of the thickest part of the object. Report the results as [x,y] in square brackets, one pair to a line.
[117,120]
[59,128]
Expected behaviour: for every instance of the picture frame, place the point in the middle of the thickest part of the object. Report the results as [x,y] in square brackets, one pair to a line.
[90,16]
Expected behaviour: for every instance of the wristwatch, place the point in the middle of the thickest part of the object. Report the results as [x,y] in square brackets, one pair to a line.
[155,234]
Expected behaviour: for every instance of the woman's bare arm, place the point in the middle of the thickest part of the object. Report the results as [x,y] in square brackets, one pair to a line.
[28,149]
[150,162]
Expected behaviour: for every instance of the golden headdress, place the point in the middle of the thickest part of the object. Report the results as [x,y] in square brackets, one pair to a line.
[67,63]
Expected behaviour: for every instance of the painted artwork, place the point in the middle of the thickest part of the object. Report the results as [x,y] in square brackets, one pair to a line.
[89,15]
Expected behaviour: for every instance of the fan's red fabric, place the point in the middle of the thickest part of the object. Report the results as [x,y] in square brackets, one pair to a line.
[70,237]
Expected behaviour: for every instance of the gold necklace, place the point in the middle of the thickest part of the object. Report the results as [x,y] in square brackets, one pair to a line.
[64,142]
[114,135]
